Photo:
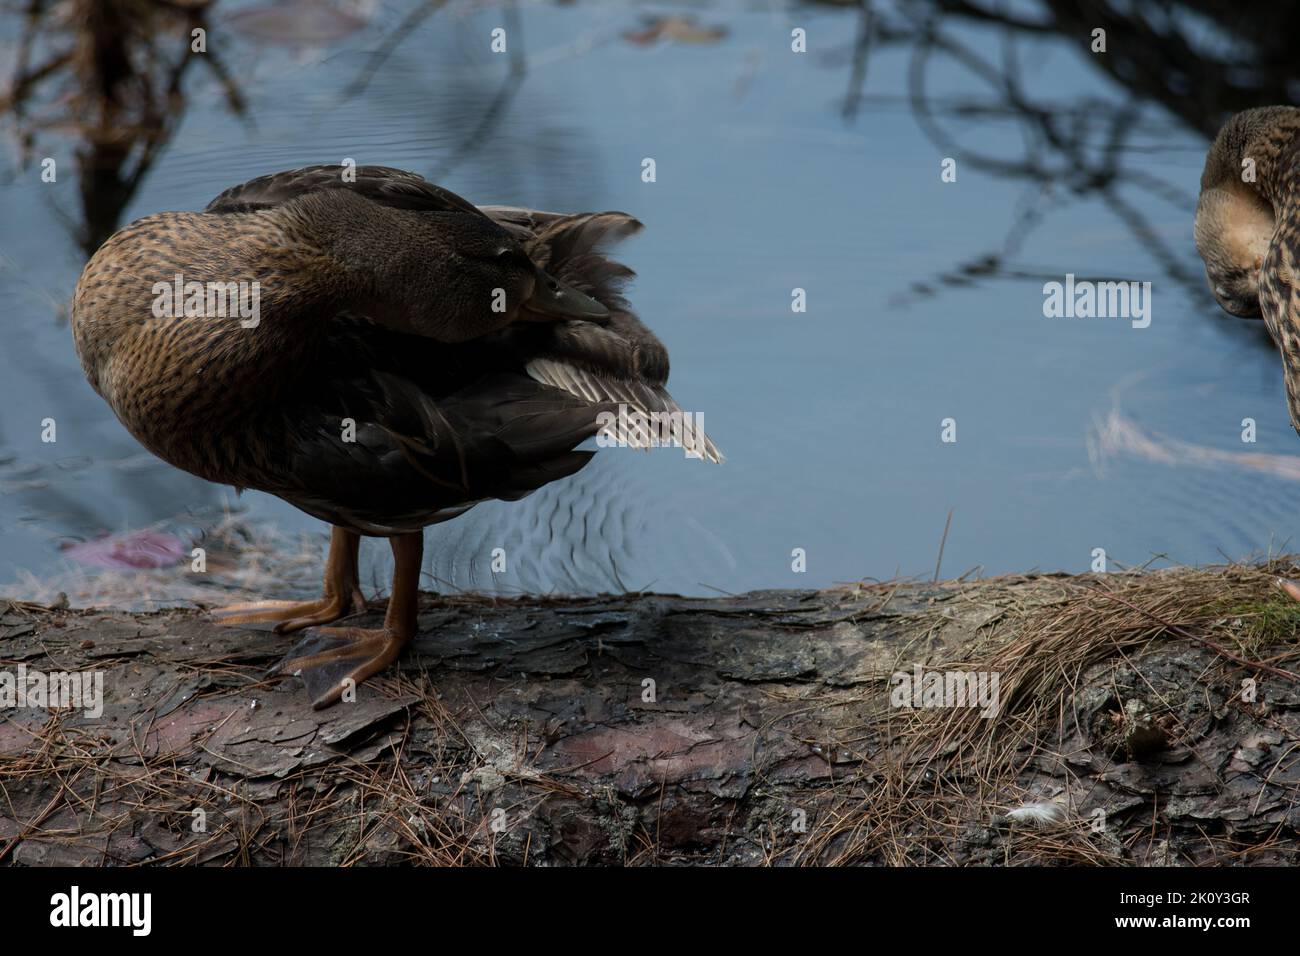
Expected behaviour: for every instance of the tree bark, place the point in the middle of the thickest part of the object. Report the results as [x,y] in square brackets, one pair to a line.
[767,728]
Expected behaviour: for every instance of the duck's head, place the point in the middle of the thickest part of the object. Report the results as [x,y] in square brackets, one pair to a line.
[1233,230]
[1234,216]
[485,280]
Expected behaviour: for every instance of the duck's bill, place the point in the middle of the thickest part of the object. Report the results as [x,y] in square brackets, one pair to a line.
[553,300]
[1240,307]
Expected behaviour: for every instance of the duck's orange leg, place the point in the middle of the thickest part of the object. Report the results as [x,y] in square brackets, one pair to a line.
[330,660]
[342,594]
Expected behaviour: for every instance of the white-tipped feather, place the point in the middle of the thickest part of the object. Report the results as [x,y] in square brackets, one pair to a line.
[638,396]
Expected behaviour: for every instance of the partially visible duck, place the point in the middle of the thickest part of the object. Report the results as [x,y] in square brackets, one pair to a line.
[1242,227]
[412,355]
[1248,232]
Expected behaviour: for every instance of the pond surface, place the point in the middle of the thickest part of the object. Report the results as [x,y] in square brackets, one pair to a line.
[1072,434]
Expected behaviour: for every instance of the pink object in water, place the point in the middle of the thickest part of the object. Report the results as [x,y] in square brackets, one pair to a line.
[297,22]
[134,549]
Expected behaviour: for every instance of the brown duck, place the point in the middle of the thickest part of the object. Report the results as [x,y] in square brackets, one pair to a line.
[1248,232]
[378,352]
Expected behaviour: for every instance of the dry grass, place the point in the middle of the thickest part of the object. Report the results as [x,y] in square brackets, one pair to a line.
[939,772]
[423,811]
[351,813]
[918,784]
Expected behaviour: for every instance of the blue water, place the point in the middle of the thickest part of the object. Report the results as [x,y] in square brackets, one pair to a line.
[830,418]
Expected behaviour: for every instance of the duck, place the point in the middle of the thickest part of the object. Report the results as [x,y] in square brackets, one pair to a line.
[381,354]
[1248,234]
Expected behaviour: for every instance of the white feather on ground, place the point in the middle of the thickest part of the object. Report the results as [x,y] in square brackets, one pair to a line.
[1041,814]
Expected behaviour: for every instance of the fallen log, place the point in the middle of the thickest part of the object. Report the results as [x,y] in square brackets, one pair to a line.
[1102,719]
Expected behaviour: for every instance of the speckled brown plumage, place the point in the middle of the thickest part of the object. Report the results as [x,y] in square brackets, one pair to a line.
[413,355]
[1248,229]
[196,391]
[367,313]
[1248,233]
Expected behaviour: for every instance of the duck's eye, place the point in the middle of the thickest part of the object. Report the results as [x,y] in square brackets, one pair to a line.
[511,257]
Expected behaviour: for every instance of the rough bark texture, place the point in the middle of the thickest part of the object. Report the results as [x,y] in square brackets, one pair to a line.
[527,731]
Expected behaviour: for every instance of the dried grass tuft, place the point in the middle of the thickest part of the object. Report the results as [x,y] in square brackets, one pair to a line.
[940,773]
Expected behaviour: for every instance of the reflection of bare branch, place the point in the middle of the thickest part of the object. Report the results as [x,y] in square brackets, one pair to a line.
[1079,147]
[1162,188]
[1082,147]
[380,56]
[991,265]
[1163,58]
[482,130]
[25,79]
[234,96]
[1001,17]
[1152,241]
[115,75]
[861,48]
[495,110]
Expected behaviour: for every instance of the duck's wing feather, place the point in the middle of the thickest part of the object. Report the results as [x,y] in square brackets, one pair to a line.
[382,184]
[621,362]
[381,448]
[392,432]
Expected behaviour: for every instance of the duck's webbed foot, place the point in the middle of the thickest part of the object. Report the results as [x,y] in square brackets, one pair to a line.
[291,615]
[332,660]
[1291,586]
[342,594]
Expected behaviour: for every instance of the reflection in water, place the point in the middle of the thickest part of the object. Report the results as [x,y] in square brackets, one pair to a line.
[108,72]
[112,72]
[151,568]
[298,22]
[1118,434]
[776,171]
[1083,147]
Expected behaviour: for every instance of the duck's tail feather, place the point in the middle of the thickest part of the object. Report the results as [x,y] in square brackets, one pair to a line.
[571,247]
[646,416]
